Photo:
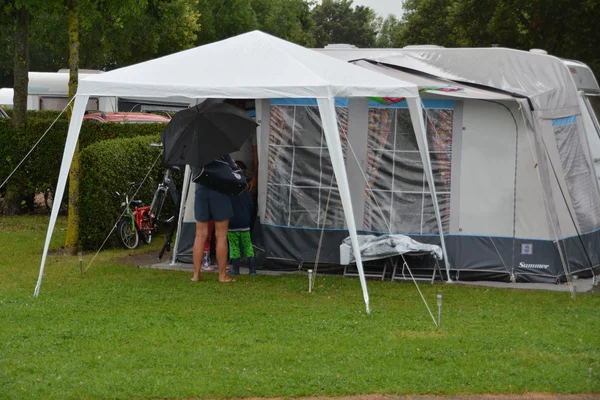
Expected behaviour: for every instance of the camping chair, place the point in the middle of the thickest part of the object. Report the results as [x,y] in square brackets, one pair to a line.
[421,272]
[391,259]
[351,270]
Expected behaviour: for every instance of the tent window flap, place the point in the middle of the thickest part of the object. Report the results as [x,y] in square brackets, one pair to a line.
[578,174]
[397,197]
[301,187]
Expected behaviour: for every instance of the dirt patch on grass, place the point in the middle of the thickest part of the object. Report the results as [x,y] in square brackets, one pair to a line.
[144,259]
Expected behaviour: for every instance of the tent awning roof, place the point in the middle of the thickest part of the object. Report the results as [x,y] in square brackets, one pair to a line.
[467,92]
[251,65]
[544,79]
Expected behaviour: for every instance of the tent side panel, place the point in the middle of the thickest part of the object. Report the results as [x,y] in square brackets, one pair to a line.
[472,257]
[531,216]
[564,213]
[579,170]
[582,262]
[487,170]
[356,154]
[186,235]
[299,245]
[185,247]
[455,172]
[262,118]
[592,132]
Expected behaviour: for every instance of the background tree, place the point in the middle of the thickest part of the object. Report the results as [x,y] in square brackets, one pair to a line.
[337,21]
[120,33]
[138,30]
[390,32]
[564,28]
[425,22]
[16,13]
[7,35]
[225,18]
[72,241]
[21,13]
[287,19]
[136,34]
[21,67]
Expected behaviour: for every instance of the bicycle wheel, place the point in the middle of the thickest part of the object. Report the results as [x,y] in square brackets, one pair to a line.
[157,203]
[128,234]
[146,231]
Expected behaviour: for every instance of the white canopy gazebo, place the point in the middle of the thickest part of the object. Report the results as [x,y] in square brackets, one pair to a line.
[252,65]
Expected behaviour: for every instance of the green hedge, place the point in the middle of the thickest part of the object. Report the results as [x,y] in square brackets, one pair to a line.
[111,166]
[40,171]
[35,115]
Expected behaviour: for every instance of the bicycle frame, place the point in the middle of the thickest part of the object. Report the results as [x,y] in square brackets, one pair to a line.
[137,215]
[160,195]
[128,211]
[167,185]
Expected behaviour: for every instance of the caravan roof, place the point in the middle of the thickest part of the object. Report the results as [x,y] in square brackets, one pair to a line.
[52,83]
[583,76]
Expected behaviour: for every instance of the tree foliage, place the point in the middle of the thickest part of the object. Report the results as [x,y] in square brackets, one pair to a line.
[288,19]
[337,21]
[222,19]
[113,33]
[564,28]
[390,32]
[425,22]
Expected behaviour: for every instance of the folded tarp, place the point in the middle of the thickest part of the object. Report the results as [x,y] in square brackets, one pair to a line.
[377,247]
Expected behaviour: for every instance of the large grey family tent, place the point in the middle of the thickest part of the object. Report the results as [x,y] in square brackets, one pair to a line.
[509,139]
[252,65]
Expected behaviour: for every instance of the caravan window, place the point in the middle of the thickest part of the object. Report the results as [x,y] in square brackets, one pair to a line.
[397,196]
[59,103]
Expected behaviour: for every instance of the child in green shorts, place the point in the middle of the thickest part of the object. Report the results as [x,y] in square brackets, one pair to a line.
[239,231]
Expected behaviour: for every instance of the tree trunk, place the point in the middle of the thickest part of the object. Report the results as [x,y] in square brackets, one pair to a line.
[72,242]
[21,68]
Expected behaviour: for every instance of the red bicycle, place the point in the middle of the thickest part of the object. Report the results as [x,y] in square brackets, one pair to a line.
[135,222]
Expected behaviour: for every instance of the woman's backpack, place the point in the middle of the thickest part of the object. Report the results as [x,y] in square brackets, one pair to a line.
[221,175]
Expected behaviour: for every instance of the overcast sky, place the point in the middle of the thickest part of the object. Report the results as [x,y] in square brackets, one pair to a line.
[382,7]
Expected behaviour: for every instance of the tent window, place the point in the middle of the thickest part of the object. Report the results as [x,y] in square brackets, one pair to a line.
[301,179]
[578,174]
[397,194]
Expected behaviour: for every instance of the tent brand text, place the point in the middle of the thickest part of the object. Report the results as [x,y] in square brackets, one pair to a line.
[535,266]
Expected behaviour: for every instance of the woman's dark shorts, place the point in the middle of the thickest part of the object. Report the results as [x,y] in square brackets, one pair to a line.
[210,204]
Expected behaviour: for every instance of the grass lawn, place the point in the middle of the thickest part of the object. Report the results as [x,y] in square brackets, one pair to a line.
[124,332]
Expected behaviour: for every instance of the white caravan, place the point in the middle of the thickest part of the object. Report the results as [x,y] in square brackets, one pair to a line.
[50,91]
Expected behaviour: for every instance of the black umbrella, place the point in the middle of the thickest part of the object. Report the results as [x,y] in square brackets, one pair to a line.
[200,134]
